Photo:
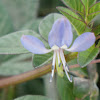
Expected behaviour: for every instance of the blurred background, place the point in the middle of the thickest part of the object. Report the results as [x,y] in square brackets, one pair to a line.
[16,15]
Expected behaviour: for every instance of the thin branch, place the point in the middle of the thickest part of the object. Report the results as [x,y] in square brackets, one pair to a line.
[92,62]
[98,37]
[13,80]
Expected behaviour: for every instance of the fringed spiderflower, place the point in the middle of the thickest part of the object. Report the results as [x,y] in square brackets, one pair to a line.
[59,39]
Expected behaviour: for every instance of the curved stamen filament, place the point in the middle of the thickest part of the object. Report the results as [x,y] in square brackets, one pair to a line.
[64,64]
[53,65]
[58,56]
[63,60]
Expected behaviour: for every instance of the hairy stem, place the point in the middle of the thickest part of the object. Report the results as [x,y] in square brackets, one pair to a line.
[13,80]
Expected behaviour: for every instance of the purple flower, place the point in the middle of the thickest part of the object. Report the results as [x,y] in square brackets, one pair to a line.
[59,39]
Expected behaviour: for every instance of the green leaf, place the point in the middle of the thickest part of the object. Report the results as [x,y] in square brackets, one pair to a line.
[81,87]
[78,24]
[94,91]
[65,88]
[11,44]
[87,56]
[87,4]
[21,11]
[94,10]
[33,97]
[16,65]
[39,60]
[76,71]
[32,25]
[35,86]
[96,30]
[6,25]
[74,4]
[46,24]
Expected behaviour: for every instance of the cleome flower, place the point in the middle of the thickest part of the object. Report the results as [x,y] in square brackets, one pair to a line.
[59,39]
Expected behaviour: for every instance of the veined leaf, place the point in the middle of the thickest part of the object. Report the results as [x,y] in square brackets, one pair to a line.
[75,20]
[88,3]
[75,5]
[93,11]
[87,56]
[39,60]
[11,44]
[46,24]
[94,8]
[33,97]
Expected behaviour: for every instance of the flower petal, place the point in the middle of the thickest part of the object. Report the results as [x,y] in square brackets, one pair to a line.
[33,44]
[83,42]
[61,33]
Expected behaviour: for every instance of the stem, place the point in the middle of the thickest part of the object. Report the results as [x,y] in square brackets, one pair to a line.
[13,80]
[32,75]
[98,37]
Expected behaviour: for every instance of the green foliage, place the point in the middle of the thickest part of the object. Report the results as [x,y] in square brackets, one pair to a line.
[81,13]
[16,65]
[32,25]
[21,11]
[65,88]
[87,56]
[93,11]
[97,30]
[76,21]
[22,14]
[6,25]
[8,44]
[40,60]
[75,5]
[33,87]
[81,87]
[34,97]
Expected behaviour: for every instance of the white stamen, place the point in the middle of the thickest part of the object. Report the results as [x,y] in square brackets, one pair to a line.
[53,65]
[64,64]
[58,56]
[63,60]
[70,79]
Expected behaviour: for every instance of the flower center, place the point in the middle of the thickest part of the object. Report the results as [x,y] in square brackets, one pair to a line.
[60,63]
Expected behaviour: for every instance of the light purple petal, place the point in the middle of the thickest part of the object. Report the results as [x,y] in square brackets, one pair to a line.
[61,33]
[33,44]
[83,42]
